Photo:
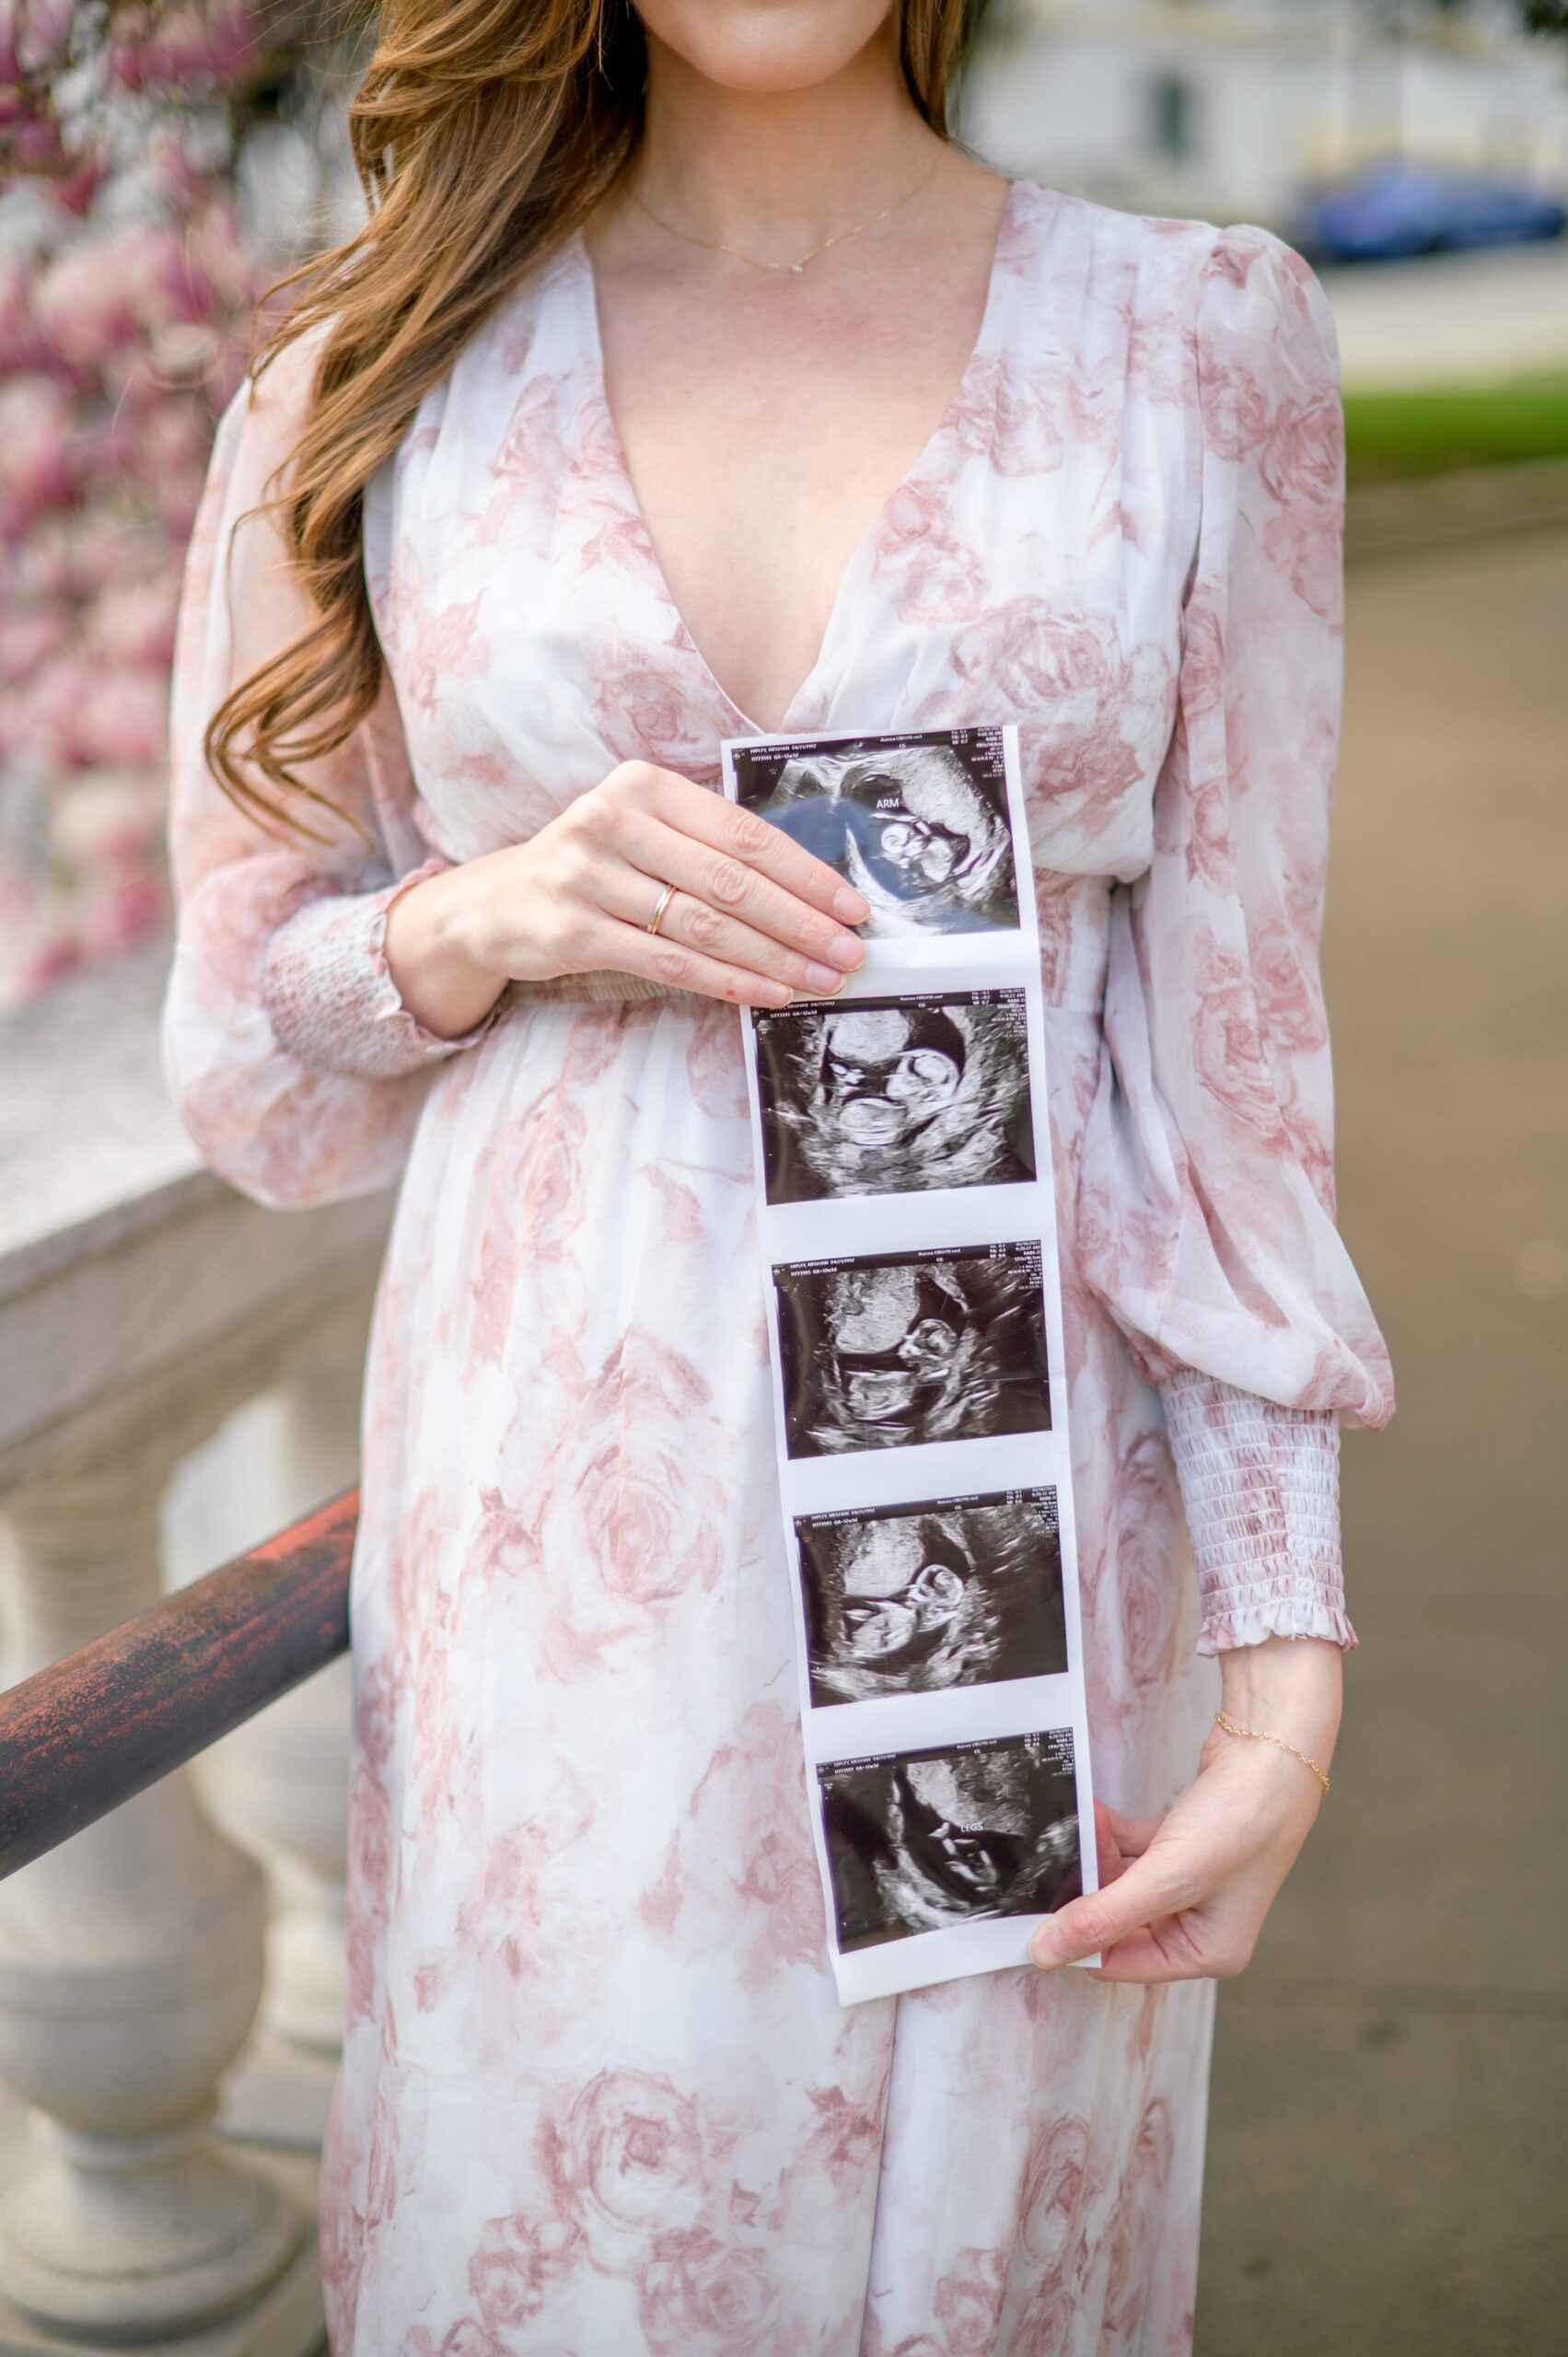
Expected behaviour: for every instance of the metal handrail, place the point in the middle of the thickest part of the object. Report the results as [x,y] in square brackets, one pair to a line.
[93,1730]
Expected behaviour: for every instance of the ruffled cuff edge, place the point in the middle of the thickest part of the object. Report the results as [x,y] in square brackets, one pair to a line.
[1259,1483]
[431,1044]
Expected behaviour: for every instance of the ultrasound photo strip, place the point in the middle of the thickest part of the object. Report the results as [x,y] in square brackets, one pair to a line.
[894,1096]
[948,1592]
[900,1349]
[906,1219]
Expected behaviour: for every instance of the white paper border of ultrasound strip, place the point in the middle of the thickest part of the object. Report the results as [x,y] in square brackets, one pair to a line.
[858,1226]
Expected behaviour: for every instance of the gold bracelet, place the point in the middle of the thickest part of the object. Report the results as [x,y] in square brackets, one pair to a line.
[1259,1736]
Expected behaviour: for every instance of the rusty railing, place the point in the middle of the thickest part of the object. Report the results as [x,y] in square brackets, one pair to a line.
[93,1730]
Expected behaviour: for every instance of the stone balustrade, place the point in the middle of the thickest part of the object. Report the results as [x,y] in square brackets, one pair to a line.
[179,1376]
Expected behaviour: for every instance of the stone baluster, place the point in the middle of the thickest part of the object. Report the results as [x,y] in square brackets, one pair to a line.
[279,1784]
[131,1967]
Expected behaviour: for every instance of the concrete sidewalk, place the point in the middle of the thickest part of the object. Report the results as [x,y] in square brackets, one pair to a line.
[1389,2168]
[1452,318]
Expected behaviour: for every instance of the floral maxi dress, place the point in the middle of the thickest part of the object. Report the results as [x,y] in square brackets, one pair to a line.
[597,2096]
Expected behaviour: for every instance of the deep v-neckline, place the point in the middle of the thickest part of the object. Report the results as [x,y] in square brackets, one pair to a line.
[865,547]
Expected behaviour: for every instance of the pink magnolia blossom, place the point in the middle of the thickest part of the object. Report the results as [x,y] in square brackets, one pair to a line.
[134,621]
[37,36]
[37,466]
[123,330]
[197,44]
[21,344]
[26,640]
[121,912]
[85,715]
[107,820]
[86,301]
[37,146]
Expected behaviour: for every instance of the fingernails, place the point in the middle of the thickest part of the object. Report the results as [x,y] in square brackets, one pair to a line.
[1043,1949]
[847,952]
[850,905]
[823,978]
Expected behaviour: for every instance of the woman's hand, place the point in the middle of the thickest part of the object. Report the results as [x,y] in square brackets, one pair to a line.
[752,920]
[1183,1895]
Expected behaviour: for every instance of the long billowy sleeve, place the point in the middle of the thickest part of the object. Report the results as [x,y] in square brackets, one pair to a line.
[1206,1203]
[295,1066]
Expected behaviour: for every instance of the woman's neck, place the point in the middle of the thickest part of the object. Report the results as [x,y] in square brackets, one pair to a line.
[770,171]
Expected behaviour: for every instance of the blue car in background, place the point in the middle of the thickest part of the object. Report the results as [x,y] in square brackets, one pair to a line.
[1395,210]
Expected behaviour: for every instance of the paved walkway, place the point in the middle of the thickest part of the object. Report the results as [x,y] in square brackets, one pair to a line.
[1389,2171]
[1452,318]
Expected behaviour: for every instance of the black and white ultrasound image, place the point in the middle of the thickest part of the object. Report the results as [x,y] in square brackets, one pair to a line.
[913,1599]
[923,1841]
[917,823]
[905,1348]
[894,1096]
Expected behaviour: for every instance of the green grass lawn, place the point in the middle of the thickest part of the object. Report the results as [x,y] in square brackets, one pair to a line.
[1393,437]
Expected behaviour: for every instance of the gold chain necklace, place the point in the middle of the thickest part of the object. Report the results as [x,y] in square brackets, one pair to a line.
[716,246]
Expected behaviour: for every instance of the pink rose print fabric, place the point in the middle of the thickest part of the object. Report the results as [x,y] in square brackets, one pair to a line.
[597,2096]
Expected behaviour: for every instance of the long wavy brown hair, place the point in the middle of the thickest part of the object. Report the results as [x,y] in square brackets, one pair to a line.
[484,131]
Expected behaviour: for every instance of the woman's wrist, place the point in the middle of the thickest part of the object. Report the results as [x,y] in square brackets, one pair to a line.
[1287,1687]
[434,955]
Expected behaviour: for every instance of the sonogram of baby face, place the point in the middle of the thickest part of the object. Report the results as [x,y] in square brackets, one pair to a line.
[928,1839]
[918,824]
[918,1599]
[897,1350]
[894,1096]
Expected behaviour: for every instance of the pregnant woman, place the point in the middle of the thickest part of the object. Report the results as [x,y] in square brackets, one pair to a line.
[688,382]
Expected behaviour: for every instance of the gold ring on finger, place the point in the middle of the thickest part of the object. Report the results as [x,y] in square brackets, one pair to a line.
[665,899]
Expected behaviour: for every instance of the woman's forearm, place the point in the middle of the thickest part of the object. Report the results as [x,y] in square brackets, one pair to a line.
[1288,1686]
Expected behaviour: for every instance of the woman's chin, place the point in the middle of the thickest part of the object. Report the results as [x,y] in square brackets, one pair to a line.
[765,48]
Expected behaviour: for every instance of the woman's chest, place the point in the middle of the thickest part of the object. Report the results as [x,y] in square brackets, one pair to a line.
[1026,565]
[762,443]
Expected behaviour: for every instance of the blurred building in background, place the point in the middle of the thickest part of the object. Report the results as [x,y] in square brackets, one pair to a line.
[1234,109]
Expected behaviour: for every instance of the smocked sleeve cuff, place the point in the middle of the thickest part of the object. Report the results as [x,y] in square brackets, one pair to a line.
[330,994]
[1260,1484]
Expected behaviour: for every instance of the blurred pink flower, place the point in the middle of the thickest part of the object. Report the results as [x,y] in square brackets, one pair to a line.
[72,552]
[76,188]
[21,344]
[35,465]
[199,44]
[85,301]
[28,640]
[40,35]
[156,439]
[134,623]
[37,942]
[46,713]
[173,178]
[220,252]
[36,145]
[118,914]
[124,717]
[81,716]
[122,333]
[107,820]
